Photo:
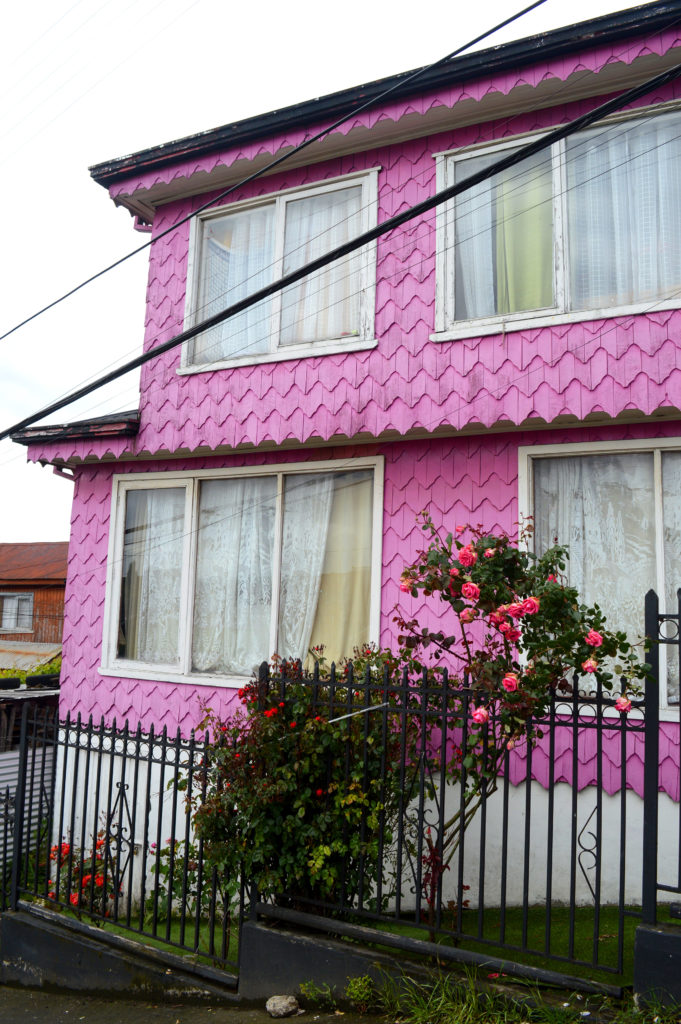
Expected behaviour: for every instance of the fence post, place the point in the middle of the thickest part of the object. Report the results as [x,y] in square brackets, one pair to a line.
[19,801]
[651,705]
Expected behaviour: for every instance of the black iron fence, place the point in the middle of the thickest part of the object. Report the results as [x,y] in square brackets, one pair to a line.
[494,852]
[541,854]
[107,838]
[661,866]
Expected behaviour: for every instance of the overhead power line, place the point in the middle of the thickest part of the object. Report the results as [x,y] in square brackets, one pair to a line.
[513,158]
[276,162]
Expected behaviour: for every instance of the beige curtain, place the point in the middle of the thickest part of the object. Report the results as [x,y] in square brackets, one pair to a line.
[343,608]
[524,239]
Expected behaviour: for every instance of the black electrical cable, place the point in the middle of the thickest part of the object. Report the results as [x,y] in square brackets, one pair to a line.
[275,163]
[516,157]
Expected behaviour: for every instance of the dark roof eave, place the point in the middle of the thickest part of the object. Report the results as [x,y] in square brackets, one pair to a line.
[550,45]
[125,424]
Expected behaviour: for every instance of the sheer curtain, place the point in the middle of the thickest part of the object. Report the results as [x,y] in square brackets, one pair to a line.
[504,239]
[152,568]
[237,258]
[324,305]
[624,214]
[602,507]
[307,508]
[233,596]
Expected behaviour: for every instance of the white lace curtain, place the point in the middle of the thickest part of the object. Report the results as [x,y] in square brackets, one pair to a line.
[624,214]
[603,508]
[237,258]
[321,587]
[326,304]
[152,569]
[233,598]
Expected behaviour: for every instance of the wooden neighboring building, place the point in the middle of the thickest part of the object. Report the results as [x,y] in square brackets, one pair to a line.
[32,582]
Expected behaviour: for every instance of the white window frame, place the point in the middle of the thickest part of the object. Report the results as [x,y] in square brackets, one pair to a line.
[17,594]
[527,455]
[447,328]
[112,665]
[368,180]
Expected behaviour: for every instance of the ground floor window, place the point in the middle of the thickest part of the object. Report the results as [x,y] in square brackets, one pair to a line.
[619,510]
[212,573]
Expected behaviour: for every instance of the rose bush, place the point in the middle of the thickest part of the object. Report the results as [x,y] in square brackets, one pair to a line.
[302,783]
[518,634]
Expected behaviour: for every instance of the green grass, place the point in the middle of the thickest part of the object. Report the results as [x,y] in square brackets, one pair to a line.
[446,998]
[587,945]
[167,940]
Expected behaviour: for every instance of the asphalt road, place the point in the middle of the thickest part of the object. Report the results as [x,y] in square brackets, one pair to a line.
[21,1005]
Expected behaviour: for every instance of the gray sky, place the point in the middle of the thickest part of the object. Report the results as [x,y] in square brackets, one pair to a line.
[88,80]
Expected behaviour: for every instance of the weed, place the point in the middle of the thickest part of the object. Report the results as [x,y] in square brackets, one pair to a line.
[361,992]
[320,996]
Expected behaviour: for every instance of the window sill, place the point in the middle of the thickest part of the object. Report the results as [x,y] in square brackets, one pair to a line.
[16,629]
[543,318]
[166,675]
[320,348]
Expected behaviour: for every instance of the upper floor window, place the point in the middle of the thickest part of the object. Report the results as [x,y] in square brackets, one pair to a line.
[589,228]
[16,612]
[238,249]
[213,572]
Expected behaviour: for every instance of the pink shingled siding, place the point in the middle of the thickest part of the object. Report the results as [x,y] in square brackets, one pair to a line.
[407,382]
[458,479]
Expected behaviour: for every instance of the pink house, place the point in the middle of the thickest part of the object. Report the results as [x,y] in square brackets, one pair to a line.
[514,353]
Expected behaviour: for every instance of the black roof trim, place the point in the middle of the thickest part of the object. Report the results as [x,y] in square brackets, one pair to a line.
[121,424]
[549,45]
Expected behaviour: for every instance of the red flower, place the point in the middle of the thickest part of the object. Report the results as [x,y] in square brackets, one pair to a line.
[320,792]
[73,899]
[292,725]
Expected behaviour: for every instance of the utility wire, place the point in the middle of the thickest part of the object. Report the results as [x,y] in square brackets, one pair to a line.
[244,349]
[515,157]
[279,160]
[179,320]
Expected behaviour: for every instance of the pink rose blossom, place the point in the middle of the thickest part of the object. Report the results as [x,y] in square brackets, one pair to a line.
[488,552]
[590,665]
[470,591]
[510,682]
[467,556]
[531,605]
[405,585]
[551,578]
[496,618]
[593,639]
[460,529]
[516,609]
[623,704]
[512,634]
[480,715]
[467,615]
[454,572]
